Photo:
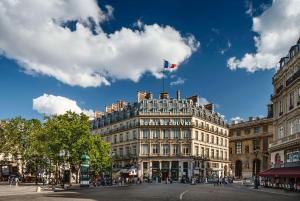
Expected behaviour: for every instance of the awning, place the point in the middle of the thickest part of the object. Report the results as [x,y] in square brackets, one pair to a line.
[281,172]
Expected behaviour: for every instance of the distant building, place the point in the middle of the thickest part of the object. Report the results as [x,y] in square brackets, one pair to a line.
[248,146]
[285,149]
[166,137]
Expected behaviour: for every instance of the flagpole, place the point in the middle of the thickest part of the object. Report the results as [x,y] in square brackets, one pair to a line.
[163,81]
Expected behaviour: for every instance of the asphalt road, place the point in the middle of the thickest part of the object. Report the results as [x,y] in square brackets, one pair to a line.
[161,192]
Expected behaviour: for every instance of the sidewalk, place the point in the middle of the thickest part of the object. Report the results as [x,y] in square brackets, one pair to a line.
[22,189]
[276,191]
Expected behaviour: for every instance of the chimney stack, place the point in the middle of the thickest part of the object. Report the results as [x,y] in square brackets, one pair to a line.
[178,95]
[270,110]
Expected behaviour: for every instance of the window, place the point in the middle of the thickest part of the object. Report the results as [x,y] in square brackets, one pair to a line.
[222,157]
[145,134]
[280,132]
[186,150]
[176,134]
[155,134]
[202,137]
[221,141]
[197,150]
[121,138]
[166,149]
[197,135]
[127,136]
[247,149]
[225,140]
[212,139]
[155,149]
[186,134]
[134,135]
[175,149]
[145,165]
[134,150]
[197,123]
[256,130]
[255,144]
[207,152]
[145,149]
[291,101]
[217,142]
[280,108]
[207,138]
[165,134]
[238,132]
[127,151]
[115,138]
[247,131]
[202,151]
[121,151]
[212,153]
[238,147]
[217,154]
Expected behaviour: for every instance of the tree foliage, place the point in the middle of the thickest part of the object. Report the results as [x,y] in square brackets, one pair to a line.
[40,144]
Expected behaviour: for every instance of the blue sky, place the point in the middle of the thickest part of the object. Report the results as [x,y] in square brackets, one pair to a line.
[224,30]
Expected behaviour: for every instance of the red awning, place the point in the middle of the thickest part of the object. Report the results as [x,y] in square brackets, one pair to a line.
[281,172]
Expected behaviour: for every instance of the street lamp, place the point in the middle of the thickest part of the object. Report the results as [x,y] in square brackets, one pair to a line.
[62,155]
[112,154]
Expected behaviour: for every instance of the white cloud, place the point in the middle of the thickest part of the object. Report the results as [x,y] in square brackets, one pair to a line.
[34,34]
[277,30]
[50,105]
[203,101]
[236,119]
[179,81]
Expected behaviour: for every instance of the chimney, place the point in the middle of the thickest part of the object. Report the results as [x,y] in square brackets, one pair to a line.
[210,107]
[270,110]
[195,99]
[178,95]
[164,95]
[250,118]
[141,96]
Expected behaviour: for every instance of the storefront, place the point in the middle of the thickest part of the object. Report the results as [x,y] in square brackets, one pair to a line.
[285,178]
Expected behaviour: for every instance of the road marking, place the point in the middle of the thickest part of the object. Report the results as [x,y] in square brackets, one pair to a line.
[181,195]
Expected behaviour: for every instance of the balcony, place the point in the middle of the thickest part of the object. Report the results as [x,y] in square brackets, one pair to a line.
[293,78]
[285,140]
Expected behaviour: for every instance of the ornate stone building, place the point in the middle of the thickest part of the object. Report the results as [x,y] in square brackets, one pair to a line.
[248,146]
[166,137]
[285,149]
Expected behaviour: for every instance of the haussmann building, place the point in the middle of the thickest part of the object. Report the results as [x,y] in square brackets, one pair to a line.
[162,138]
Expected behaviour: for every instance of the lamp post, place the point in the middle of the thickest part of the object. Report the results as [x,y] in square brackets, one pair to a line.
[112,154]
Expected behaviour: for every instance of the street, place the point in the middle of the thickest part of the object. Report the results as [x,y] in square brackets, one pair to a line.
[164,192]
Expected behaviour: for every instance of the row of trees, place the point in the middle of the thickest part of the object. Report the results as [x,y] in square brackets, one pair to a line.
[40,145]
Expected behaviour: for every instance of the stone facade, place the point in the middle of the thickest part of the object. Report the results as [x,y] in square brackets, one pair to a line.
[285,149]
[248,146]
[167,137]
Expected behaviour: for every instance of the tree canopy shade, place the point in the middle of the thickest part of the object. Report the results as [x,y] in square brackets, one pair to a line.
[60,140]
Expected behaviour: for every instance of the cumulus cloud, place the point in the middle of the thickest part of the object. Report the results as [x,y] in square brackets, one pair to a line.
[236,119]
[50,105]
[179,81]
[38,35]
[277,29]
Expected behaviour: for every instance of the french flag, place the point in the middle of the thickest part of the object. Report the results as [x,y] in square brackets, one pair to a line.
[168,64]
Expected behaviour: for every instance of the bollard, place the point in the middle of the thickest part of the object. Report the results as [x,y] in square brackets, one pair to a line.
[38,189]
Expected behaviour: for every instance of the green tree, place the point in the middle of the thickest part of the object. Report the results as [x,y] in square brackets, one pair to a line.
[71,134]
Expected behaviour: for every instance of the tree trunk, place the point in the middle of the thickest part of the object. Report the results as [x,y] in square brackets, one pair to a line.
[70,176]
